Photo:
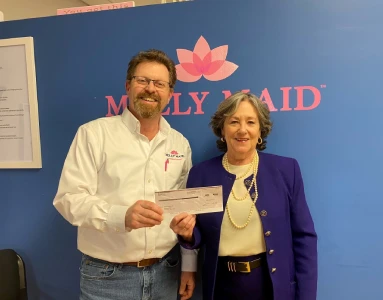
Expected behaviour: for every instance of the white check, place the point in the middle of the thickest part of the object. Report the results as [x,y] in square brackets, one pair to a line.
[193,201]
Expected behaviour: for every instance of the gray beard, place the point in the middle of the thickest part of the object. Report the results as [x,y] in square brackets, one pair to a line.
[146,111]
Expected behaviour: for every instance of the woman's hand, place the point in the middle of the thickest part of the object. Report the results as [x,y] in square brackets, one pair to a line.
[183,225]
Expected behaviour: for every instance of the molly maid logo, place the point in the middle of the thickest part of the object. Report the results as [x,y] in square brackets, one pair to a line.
[174,155]
[211,64]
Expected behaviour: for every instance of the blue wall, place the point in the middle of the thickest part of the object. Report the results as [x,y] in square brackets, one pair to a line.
[333,46]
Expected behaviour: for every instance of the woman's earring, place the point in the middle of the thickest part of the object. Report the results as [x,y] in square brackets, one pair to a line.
[223,139]
[260,141]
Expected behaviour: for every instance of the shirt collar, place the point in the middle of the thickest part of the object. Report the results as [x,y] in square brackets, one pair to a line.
[134,125]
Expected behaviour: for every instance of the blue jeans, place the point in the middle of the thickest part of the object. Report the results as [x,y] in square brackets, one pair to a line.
[102,280]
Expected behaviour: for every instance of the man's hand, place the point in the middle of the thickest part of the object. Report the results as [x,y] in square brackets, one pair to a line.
[187,285]
[183,224]
[143,213]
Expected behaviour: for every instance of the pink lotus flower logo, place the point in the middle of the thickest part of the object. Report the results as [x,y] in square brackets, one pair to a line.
[174,152]
[211,64]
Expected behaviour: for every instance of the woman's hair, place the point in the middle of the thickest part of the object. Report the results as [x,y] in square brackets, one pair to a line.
[229,106]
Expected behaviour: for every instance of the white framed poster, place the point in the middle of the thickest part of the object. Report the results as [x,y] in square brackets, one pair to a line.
[19,118]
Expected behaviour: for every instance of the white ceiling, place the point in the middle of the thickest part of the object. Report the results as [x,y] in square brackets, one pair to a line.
[137,2]
[97,2]
[25,9]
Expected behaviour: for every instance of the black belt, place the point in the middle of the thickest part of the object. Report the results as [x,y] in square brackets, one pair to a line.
[243,266]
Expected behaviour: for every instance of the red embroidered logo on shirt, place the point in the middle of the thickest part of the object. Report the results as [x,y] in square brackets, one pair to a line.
[174,155]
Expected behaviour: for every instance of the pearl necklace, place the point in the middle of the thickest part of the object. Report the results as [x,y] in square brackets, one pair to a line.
[254,163]
[244,174]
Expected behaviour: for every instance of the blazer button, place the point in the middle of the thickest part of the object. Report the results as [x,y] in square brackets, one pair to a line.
[247,182]
[267,233]
[273,270]
[263,213]
[271,251]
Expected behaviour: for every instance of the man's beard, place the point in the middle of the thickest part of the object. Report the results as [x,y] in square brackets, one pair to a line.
[147,110]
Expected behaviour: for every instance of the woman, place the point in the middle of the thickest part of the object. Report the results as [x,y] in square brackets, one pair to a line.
[263,245]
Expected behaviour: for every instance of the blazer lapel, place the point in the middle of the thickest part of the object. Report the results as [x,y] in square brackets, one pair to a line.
[265,185]
[226,179]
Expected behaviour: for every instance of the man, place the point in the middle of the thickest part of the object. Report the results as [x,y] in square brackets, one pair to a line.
[107,187]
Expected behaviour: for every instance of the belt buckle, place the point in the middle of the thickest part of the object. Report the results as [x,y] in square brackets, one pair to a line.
[231,266]
[139,264]
[247,264]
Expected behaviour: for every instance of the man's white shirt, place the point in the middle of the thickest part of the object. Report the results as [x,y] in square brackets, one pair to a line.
[110,166]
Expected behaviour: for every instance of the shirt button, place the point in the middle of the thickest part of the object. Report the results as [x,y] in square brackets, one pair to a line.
[273,270]
[150,251]
[271,251]
[263,213]
[149,181]
[267,233]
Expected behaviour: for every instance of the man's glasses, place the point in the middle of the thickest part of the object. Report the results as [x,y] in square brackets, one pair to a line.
[144,81]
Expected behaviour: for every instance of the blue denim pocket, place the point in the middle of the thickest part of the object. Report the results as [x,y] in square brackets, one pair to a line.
[92,268]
